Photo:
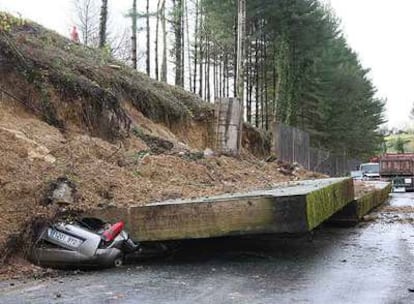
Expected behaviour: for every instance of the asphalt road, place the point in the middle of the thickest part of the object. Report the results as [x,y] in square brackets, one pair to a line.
[370,263]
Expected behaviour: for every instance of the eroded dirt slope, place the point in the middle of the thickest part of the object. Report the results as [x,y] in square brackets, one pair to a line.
[34,154]
[74,113]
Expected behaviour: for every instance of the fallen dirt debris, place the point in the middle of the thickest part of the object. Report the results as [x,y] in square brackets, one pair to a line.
[362,188]
[370,217]
[398,209]
[109,174]
[18,268]
[392,214]
[79,130]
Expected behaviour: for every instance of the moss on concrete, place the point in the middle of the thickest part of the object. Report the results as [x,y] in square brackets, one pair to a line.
[323,203]
[287,211]
[355,211]
[365,204]
[374,199]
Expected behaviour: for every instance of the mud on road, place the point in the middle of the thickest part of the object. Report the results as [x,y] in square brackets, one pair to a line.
[370,263]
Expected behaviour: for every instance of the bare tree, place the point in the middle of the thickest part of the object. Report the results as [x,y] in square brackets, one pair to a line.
[120,44]
[87,20]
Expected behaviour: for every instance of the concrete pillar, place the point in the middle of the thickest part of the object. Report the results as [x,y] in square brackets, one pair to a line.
[275,148]
[229,122]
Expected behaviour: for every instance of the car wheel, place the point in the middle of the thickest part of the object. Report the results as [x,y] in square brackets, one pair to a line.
[118,262]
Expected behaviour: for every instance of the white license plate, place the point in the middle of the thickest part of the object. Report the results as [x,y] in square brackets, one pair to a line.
[64,238]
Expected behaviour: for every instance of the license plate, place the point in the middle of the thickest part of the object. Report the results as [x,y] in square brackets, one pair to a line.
[398,189]
[64,238]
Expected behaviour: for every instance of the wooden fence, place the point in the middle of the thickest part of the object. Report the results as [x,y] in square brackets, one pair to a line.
[293,145]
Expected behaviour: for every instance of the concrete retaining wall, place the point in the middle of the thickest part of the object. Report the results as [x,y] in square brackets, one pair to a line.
[361,206]
[296,207]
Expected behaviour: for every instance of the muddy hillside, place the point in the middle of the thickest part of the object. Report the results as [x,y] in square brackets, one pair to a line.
[74,115]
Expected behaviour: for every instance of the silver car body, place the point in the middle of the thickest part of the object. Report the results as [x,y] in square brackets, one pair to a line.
[76,246]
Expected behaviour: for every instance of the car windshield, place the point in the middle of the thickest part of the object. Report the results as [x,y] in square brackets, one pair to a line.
[371,168]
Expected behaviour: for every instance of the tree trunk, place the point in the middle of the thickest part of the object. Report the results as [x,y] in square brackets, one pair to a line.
[235,51]
[221,68]
[227,76]
[164,42]
[187,34]
[265,91]
[134,34]
[208,71]
[201,31]
[262,99]
[261,67]
[249,85]
[215,95]
[274,83]
[257,114]
[182,27]
[148,41]
[224,73]
[241,36]
[196,34]
[102,23]
[157,36]
[178,31]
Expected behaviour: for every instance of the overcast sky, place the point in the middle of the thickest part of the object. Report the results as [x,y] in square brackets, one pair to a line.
[380,31]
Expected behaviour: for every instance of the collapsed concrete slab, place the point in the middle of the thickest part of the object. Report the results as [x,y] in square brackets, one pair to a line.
[294,207]
[376,195]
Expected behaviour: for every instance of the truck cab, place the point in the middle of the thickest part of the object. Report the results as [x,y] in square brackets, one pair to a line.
[370,171]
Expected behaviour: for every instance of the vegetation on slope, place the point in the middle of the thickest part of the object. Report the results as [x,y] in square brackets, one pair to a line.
[62,74]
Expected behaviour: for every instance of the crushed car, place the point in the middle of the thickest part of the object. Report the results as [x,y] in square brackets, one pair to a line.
[86,243]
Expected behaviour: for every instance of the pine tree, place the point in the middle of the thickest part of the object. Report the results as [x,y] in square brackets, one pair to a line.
[299,71]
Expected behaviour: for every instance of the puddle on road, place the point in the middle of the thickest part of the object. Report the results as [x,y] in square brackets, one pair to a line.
[399,210]
[402,199]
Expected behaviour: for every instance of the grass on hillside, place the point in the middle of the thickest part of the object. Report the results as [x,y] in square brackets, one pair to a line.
[55,66]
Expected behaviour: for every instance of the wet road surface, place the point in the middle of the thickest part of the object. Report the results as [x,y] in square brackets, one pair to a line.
[370,263]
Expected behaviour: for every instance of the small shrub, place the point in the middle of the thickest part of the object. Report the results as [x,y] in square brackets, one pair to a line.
[7,22]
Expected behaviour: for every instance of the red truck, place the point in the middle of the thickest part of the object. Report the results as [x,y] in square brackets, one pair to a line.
[398,168]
